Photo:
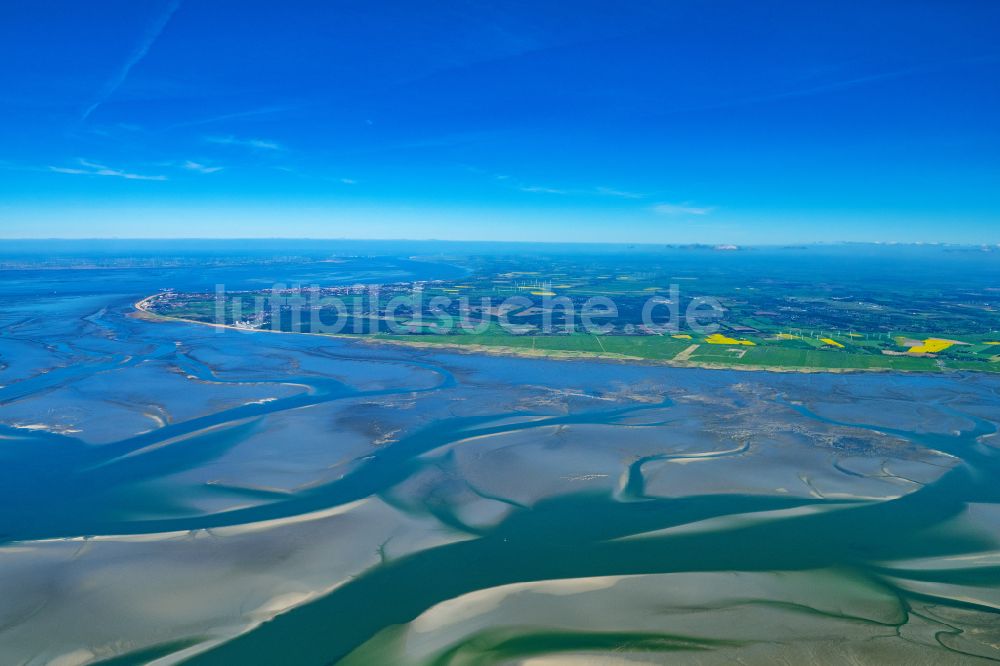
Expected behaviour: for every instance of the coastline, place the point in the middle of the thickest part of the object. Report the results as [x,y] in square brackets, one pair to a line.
[142,312]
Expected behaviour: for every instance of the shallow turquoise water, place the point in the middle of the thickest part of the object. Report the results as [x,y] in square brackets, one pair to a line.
[100,478]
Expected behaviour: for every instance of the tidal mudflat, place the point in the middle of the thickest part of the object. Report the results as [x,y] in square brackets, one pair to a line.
[179,493]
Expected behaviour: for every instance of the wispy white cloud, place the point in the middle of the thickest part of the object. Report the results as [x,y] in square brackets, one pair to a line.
[148,38]
[232,116]
[191,165]
[582,192]
[841,84]
[113,130]
[541,190]
[93,169]
[256,144]
[513,182]
[836,85]
[312,175]
[680,209]
[622,194]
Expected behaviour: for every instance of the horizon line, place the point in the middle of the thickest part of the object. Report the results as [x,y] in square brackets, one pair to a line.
[715,244]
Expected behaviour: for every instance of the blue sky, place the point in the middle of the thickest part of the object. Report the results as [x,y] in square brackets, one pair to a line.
[669,121]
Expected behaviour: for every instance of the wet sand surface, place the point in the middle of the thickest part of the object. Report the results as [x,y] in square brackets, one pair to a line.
[173,492]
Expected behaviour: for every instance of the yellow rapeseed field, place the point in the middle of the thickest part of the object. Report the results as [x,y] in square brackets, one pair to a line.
[931,346]
[720,339]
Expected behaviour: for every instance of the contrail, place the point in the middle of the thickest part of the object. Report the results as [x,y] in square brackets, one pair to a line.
[152,33]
